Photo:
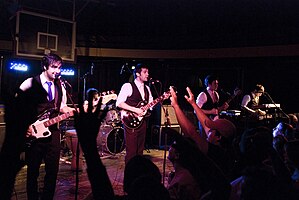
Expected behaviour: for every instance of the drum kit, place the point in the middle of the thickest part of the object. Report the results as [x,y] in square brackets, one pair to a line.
[111,135]
[110,139]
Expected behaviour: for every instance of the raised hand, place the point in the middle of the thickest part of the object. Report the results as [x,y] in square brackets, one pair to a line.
[173,97]
[87,125]
[190,99]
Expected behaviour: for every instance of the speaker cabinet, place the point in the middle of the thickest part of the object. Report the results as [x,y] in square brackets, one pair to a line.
[159,115]
[160,135]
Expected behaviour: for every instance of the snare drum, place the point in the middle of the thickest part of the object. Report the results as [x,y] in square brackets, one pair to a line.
[112,117]
[72,142]
[111,139]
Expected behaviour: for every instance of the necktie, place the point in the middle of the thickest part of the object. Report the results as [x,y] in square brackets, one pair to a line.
[49,90]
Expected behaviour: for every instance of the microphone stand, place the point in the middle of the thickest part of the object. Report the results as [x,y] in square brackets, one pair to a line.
[84,84]
[164,130]
[267,95]
[167,125]
[78,146]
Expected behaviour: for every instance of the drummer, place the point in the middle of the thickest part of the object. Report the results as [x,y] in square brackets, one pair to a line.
[94,94]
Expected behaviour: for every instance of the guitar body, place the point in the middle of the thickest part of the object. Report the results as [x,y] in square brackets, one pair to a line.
[132,120]
[39,130]
[40,127]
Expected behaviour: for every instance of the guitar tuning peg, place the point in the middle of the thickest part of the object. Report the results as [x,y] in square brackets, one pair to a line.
[103,93]
[112,92]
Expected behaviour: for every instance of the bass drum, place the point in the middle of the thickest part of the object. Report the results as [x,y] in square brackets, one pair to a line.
[111,139]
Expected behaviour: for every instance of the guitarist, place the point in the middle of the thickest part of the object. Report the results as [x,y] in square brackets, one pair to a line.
[129,97]
[44,92]
[208,100]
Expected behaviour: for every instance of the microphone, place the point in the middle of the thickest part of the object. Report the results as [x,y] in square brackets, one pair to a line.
[65,82]
[152,81]
[91,69]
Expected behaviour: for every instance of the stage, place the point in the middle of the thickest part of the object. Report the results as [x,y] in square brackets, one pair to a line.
[66,181]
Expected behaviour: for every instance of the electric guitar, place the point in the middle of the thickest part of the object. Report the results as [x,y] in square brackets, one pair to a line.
[40,128]
[108,97]
[132,120]
[237,92]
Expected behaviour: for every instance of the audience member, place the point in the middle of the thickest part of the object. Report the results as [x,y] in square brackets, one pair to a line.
[184,184]
[292,151]
[281,134]
[218,145]
[212,176]
[265,176]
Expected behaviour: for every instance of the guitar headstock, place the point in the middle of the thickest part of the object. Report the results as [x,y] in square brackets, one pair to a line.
[237,91]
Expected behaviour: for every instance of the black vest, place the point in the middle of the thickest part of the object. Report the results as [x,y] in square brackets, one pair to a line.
[252,103]
[209,105]
[136,98]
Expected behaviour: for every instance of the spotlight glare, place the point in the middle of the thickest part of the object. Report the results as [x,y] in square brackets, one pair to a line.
[19,66]
[67,72]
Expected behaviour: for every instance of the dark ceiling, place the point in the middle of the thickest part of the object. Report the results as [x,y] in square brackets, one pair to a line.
[169,24]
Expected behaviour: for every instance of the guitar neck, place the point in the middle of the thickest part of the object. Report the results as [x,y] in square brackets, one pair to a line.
[154,102]
[230,98]
[56,119]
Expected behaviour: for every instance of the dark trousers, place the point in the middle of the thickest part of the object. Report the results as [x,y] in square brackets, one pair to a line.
[48,150]
[135,139]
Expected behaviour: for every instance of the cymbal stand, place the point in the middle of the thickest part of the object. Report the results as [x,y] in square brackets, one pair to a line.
[115,137]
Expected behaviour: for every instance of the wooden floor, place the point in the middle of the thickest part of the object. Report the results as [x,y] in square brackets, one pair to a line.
[66,181]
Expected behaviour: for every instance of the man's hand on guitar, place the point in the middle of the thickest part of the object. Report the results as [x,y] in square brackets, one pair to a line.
[223,107]
[29,132]
[260,112]
[139,112]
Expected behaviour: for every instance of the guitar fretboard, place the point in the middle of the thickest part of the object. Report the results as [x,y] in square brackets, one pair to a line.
[56,119]
[157,100]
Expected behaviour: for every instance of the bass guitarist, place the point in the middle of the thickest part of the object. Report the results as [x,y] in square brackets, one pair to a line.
[131,97]
[44,92]
[208,100]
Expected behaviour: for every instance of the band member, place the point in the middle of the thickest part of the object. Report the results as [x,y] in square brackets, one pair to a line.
[130,96]
[53,98]
[250,102]
[208,100]
[94,94]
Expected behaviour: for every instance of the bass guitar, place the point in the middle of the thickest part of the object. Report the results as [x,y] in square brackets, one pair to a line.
[40,128]
[132,120]
[237,92]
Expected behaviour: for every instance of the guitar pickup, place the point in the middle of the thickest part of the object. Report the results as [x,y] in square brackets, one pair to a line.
[46,133]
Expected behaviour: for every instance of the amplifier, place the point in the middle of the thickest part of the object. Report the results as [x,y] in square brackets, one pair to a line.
[159,135]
